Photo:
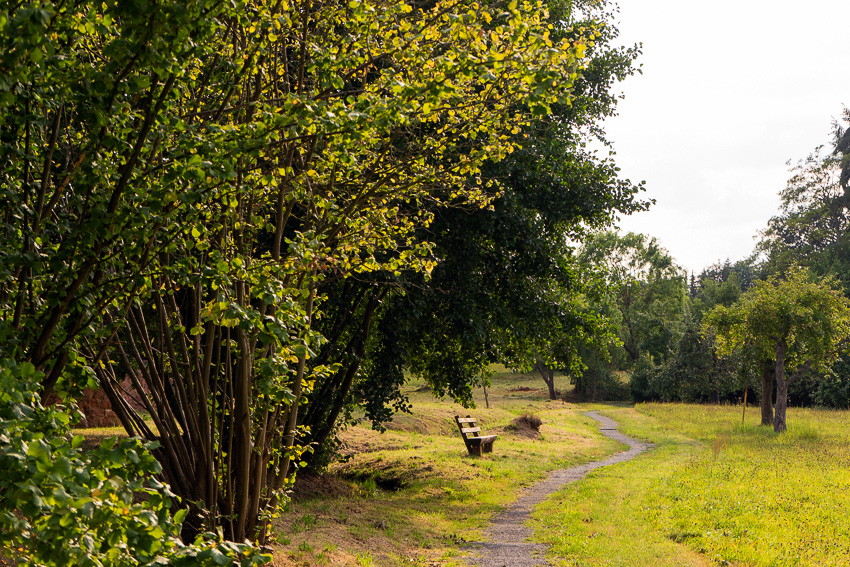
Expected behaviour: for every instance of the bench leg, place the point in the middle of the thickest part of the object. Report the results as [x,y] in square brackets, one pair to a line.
[474,449]
[488,448]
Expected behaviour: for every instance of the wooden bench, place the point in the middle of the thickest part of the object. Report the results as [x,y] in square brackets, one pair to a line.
[475,442]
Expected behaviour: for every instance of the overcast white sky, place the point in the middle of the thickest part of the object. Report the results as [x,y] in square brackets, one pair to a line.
[730,91]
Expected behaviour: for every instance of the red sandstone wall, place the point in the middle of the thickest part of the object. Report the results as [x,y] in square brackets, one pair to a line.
[96,407]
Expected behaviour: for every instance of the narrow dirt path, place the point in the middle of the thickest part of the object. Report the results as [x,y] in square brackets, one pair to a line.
[507,542]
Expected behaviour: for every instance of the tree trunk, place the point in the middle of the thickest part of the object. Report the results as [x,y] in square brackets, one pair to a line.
[549,377]
[767,395]
[551,383]
[779,424]
[324,409]
[594,377]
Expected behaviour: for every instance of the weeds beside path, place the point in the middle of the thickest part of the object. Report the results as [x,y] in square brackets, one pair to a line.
[508,536]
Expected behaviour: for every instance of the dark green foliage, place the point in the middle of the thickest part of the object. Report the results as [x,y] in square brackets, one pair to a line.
[693,371]
[644,379]
[693,374]
[697,371]
[743,274]
[811,230]
[598,382]
[830,390]
[504,287]
[833,390]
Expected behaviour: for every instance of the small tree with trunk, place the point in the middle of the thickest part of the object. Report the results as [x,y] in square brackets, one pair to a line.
[568,330]
[795,322]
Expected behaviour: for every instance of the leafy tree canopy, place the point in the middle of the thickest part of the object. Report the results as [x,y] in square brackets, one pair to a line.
[500,270]
[648,289]
[796,322]
[812,227]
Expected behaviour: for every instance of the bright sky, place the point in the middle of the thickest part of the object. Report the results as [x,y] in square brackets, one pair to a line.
[730,91]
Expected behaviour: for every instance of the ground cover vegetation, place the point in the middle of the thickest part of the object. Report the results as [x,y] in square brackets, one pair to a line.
[184,186]
[712,490]
[414,496]
[725,490]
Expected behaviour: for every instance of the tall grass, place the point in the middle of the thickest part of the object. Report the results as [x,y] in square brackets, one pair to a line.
[712,492]
[756,497]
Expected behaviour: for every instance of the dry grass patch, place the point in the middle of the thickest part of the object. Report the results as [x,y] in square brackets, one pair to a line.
[526,425]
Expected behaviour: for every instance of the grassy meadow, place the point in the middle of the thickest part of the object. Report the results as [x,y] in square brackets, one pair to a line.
[753,497]
[711,492]
[734,494]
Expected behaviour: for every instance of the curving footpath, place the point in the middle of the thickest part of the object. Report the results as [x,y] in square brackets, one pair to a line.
[508,544]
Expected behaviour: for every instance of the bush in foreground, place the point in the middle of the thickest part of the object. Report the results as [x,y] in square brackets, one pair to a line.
[60,505]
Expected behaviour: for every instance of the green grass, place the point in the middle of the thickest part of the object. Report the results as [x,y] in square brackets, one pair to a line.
[605,518]
[445,497]
[731,494]
[712,492]
[755,497]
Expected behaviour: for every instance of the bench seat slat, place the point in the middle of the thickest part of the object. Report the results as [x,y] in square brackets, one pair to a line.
[483,439]
[470,430]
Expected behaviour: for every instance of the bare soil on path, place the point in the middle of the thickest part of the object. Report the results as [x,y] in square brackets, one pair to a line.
[507,538]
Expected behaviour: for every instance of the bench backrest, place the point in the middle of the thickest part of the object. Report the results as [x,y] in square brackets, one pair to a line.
[468,427]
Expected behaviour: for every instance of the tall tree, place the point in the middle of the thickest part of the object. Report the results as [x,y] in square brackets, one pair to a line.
[495,266]
[842,148]
[568,329]
[811,230]
[797,323]
[813,227]
[649,290]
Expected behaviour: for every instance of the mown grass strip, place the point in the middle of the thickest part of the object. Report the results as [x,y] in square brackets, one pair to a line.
[603,519]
